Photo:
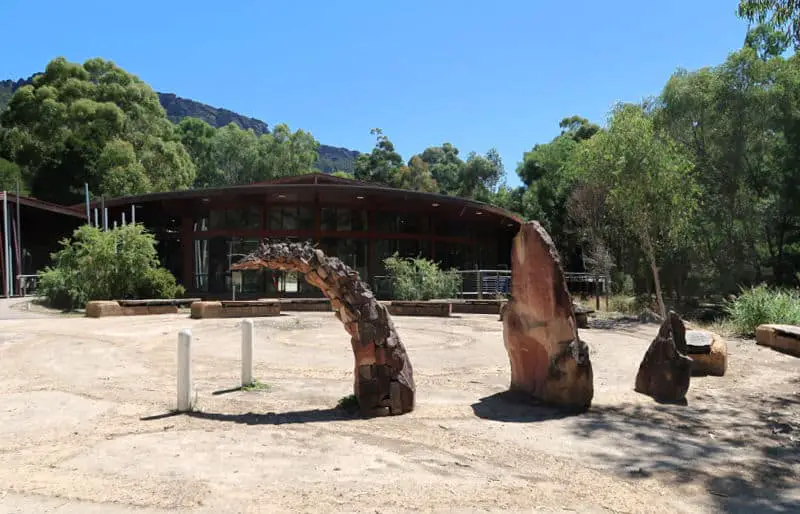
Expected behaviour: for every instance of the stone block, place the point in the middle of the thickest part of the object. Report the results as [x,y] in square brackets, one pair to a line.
[709,353]
[408,308]
[784,338]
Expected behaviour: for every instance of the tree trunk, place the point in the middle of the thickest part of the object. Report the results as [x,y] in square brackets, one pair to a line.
[657,286]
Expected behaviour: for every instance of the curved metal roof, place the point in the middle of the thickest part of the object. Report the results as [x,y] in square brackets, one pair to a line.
[309,181]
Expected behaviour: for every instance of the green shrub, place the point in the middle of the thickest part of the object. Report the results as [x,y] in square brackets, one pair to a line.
[621,284]
[160,283]
[759,305]
[420,279]
[623,304]
[103,265]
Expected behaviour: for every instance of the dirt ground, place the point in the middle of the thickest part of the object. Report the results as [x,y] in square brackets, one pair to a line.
[86,425]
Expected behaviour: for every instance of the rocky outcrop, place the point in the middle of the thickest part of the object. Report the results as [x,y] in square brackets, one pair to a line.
[383,375]
[548,360]
[666,369]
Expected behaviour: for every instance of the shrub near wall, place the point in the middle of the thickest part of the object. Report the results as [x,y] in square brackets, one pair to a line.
[418,279]
[121,263]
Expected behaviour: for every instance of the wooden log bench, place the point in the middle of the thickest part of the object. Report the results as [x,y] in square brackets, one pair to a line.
[236,309]
[410,308]
[306,304]
[582,315]
[102,309]
[478,306]
[784,338]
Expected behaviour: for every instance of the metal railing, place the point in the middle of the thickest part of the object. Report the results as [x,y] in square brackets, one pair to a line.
[496,283]
[27,284]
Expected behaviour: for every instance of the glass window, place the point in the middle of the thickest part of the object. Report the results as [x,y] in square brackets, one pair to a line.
[274,217]
[242,218]
[216,220]
[359,221]
[201,224]
[413,224]
[289,221]
[328,219]
[452,228]
[344,220]
[305,218]
[385,221]
[250,218]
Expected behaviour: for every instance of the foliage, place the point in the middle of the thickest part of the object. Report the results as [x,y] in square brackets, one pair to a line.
[420,279]
[102,265]
[382,164]
[761,304]
[231,155]
[93,123]
[779,14]
[649,187]
[10,175]
[348,403]
[256,385]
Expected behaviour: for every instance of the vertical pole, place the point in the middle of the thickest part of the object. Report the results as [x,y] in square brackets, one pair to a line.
[105,218]
[184,370]
[96,221]
[7,247]
[19,235]
[247,352]
[88,209]
[597,292]
[103,212]
[133,214]
[123,218]
[480,284]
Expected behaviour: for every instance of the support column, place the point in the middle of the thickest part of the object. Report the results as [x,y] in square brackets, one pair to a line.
[187,253]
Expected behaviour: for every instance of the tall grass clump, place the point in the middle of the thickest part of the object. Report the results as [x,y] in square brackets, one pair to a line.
[420,279]
[760,305]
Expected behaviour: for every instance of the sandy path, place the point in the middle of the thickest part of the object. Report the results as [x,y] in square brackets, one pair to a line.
[85,426]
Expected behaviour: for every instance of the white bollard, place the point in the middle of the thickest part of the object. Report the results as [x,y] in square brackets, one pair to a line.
[184,370]
[247,352]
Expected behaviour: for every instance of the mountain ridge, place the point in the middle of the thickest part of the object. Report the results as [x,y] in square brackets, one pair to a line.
[331,158]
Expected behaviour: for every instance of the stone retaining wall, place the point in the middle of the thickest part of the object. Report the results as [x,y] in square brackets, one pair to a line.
[102,309]
[436,309]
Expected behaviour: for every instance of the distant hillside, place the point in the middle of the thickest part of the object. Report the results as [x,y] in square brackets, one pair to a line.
[331,158]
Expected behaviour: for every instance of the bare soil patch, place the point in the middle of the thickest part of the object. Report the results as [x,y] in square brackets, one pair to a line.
[87,426]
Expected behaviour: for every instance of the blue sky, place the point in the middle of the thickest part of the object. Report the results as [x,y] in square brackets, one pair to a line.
[475,73]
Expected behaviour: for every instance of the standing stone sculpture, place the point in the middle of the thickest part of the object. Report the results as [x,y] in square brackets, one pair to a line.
[383,375]
[666,369]
[548,359]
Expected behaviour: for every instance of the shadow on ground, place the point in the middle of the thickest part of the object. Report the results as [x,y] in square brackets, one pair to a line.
[268,418]
[517,407]
[744,450]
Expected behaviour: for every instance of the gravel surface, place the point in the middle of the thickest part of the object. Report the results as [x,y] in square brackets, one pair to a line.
[87,425]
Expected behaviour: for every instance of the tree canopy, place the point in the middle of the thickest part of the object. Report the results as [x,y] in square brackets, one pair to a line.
[93,123]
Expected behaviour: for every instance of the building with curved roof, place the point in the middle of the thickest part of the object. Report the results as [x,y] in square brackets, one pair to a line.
[202,232]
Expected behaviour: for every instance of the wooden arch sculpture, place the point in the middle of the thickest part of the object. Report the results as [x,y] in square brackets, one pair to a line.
[383,375]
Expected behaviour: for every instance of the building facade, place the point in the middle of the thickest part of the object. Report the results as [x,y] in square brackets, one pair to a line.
[201,233]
